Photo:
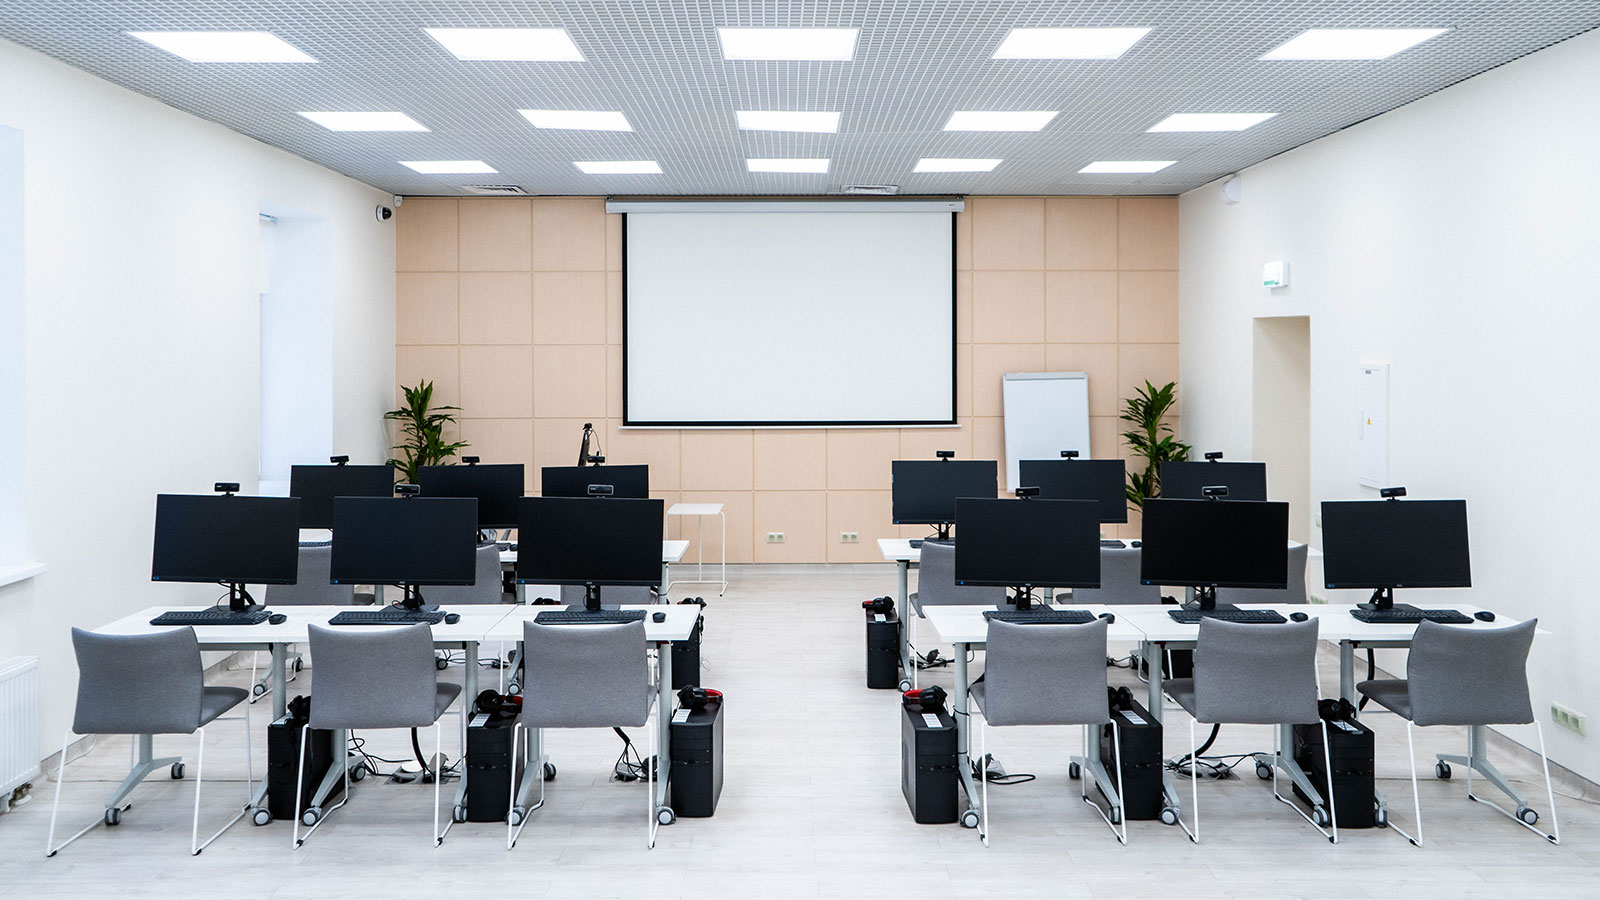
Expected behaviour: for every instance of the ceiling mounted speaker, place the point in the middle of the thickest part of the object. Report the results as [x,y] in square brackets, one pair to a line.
[1232,190]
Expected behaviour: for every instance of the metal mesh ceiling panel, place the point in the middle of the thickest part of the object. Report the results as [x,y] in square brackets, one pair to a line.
[659,62]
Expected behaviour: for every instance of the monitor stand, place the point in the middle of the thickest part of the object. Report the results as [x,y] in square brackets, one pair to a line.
[239,599]
[591,598]
[1205,600]
[1383,600]
[413,599]
[1022,601]
[941,531]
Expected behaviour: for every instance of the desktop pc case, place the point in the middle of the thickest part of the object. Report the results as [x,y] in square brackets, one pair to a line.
[929,778]
[695,781]
[1140,734]
[883,650]
[283,749]
[686,657]
[1350,745]
[490,766]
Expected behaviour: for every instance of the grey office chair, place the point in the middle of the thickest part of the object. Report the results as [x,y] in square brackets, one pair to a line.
[486,589]
[1294,593]
[580,676]
[139,684]
[936,586]
[1049,675]
[1119,580]
[367,678]
[1252,674]
[311,588]
[1467,675]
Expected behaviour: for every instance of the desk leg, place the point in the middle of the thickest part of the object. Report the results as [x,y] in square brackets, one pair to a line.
[1154,657]
[724,586]
[663,730]
[666,578]
[958,705]
[907,619]
[1347,670]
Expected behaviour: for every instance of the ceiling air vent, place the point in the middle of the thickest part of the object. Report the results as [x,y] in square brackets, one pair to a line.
[495,190]
[875,190]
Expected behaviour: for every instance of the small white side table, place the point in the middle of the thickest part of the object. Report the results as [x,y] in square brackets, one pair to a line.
[700,511]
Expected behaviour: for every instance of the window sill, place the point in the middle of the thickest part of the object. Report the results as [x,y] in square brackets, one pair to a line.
[20,572]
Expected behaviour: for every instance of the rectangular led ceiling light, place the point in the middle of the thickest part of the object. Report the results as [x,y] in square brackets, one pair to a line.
[620,167]
[987,120]
[577,119]
[516,44]
[1068,43]
[365,121]
[828,44]
[224,46]
[775,120]
[1352,43]
[1210,121]
[952,164]
[448,166]
[798,166]
[1125,166]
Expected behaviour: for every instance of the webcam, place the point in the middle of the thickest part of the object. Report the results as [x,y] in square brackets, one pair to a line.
[1026,492]
[338,460]
[945,454]
[469,460]
[408,490]
[602,490]
[1392,493]
[1069,454]
[1214,491]
[1213,456]
[226,487]
[596,459]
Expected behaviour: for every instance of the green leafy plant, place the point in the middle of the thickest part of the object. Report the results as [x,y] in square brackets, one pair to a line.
[422,431]
[1151,438]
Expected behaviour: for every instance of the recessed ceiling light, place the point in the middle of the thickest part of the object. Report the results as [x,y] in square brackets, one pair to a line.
[1210,121]
[990,120]
[1068,43]
[802,166]
[224,46]
[952,164]
[521,44]
[448,166]
[1352,43]
[1125,166]
[577,119]
[775,120]
[620,167]
[365,121]
[833,44]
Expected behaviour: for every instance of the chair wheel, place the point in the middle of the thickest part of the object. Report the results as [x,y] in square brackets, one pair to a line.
[113,817]
[549,771]
[1263,771]
[458,814]
[905,685]
[1320,816]
[516,816]
[299,665]
[1074,771]
[1169,816]
[1116,815]
[358,772]
[258,690]
[1380,817]
[1527,816]
[261,816]
[513,688]
[969,819]
[1441,770]
[177,771]
[441,663]
[311,816]
[665,815]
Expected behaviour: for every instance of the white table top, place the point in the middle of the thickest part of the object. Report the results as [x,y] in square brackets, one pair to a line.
[966,624]
[694,509]
[900,549]
[678,626]
[1334,622]
[671,552]
[476,620]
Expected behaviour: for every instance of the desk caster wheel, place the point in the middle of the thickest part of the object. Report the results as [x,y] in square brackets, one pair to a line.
[1169,816]
[1527,816]
[969,819]
[905,685]
[1074,771]
[516,816]
[258,690]
[177,771]
[665,815]
[358,772]
[549,771]
[311,816]
[261,816]
[113,817]
[441,663]
[458,814]
[1320,816]
[1380,817]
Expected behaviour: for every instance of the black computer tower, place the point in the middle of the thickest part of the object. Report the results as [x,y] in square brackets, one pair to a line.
[1351,748]
[686,658]
[695,781]
[928,774]
[1140,734]
[883,650]
[283,750]
[489,766]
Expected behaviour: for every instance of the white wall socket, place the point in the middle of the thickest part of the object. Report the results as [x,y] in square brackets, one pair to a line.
[1567,718]
[774,537]
[849,537]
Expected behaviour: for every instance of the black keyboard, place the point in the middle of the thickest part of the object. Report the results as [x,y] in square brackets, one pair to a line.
[1411,616]
[585,617]
[218,616]
[393,615]
[1247,616]
[1040,616]
[1111,543]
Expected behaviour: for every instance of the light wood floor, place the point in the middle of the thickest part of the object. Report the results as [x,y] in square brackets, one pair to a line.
[811,808]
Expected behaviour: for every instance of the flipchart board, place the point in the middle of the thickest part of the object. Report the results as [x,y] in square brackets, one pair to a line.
[1045,413]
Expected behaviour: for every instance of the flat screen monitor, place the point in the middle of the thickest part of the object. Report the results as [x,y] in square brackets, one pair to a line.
[589,540]
[924,491]
[1105,481]
[316,486]
[1395,544]
[1215,543]
[629,482]
[236,540]
[407,540]
[1028,543]
[1244,480]
[497,489]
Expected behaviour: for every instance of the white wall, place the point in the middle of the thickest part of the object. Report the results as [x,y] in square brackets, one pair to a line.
[1456,239]
[143,334]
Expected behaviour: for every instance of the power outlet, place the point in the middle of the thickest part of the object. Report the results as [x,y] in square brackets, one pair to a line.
[849,537]
[774,537]
[1567,718]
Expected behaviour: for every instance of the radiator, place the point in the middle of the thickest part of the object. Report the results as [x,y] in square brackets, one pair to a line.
[19,723]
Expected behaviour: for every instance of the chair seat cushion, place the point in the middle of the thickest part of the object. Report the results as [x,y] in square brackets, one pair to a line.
[583,712]
[217,700]
[1181,690]
[1393,694]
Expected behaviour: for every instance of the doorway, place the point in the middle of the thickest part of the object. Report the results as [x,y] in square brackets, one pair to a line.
[1281,415]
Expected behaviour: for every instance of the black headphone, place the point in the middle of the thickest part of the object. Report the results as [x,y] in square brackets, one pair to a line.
[883,605]
[694,697]
[1335,709]
[545,601]
[1120,697]
[300,708]
[490,703]
[931,698]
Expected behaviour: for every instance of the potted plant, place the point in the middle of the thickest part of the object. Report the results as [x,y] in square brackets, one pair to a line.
[1151,438]
[422,431]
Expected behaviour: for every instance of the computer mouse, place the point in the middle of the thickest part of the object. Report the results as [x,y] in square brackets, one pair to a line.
[452,618]
[659,617]
[1483,615]
[1138,543]
[1109,617]
[1298,616]
[277,618]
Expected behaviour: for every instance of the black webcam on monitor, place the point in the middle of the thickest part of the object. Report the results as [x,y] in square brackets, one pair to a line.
[226,487]
[408,490]
[1213,456]
[1214,491]
[469,460]
[339,460]
[1069,454]
[1392,493]
[945,454]
[602,490]
[1024,493]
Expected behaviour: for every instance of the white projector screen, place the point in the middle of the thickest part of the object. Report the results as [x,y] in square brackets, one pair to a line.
[778,318]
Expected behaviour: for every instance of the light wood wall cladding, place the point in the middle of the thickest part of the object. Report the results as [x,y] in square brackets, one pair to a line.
[513,307]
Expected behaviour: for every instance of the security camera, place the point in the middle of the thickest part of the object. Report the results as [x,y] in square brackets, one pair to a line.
[384,213]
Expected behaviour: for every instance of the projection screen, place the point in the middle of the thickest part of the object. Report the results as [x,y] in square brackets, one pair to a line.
[789,318]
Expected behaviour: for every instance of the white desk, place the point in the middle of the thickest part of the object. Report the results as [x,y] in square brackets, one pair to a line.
[900,552]
[700,511]
[671,552]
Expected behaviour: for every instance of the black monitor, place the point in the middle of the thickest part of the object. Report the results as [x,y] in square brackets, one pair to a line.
[924,491]
[227,539]
[497,489]
[1027,544]
[316,486]
[409,541]
[1104,481]
[1388,544]
[589,541]
[1183,480]
[629,482]
[1207,544]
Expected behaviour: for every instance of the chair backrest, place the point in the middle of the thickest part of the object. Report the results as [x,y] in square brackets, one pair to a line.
[1045,674]
[1294,593]
[373,677]
[936,580]
[582,676]
[311,587]
[1256,674]
[1469,675]
[1119,580]
[138,683]
[486,589]
[611,595]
